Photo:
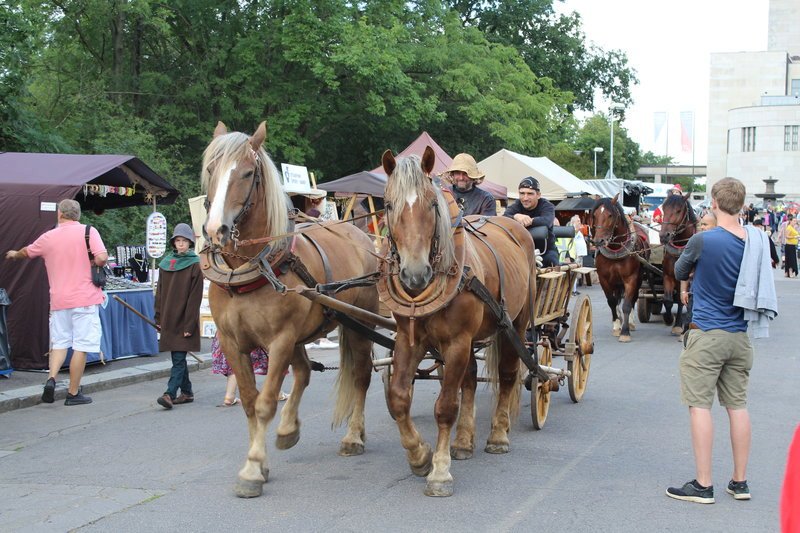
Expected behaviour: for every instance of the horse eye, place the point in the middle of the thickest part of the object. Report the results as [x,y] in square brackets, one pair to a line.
[247,175]
[387,206]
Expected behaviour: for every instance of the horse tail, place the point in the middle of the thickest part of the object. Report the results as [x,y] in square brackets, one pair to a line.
[346,380]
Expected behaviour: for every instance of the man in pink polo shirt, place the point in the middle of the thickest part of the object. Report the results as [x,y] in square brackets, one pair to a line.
[74,315]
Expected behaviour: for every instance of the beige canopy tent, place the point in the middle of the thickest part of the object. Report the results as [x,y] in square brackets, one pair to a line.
[508,168]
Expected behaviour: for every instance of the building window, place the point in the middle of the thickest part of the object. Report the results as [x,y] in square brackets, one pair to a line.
[795,88]
[749,139]
[790,138]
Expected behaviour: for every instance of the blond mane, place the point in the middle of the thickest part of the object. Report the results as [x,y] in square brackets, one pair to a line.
[409,178]
[227,149]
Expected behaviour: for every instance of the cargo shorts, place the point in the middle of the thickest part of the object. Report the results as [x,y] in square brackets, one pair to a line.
[715,360]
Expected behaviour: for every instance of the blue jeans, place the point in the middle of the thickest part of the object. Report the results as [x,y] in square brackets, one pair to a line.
[179,376]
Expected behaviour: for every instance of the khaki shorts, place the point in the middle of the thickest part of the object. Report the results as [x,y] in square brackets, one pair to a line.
[715,359]
[77,328]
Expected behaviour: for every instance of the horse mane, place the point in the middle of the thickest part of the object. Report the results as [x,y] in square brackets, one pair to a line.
[224,151]
[408,178]
[676,201]
[608,204]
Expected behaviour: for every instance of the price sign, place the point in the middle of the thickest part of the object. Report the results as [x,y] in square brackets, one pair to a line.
[156,235]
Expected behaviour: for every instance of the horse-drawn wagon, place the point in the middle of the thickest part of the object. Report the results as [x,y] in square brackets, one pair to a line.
[448,285]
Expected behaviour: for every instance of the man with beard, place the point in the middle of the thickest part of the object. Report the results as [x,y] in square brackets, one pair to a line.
[532,211]
[465,177]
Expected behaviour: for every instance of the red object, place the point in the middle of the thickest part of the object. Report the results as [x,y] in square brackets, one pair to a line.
[790,497]
[658,215]
[677,186]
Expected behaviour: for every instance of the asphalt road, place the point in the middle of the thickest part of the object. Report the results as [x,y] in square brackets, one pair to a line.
[124,464]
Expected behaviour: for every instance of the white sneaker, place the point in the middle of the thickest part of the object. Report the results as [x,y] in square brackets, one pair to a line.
[326,344]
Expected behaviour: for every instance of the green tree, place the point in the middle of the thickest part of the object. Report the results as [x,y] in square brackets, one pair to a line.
[554,46]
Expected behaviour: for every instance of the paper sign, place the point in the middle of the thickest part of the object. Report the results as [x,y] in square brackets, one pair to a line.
[47,206]
[295,178]
[156,235]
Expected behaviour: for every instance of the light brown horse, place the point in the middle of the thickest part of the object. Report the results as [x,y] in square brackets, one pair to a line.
[429,250]
[620,272]
[246,201]
[677,227]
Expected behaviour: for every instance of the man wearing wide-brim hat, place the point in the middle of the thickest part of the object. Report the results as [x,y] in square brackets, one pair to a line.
[465,177]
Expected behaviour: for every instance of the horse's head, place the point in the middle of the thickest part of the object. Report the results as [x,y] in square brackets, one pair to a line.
[418,218]
[605,218]
[242,187]
[679,220]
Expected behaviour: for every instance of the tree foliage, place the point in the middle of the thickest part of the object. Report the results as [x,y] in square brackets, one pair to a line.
[337,82]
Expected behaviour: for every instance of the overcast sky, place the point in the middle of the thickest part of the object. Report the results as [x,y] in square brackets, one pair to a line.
[669,43]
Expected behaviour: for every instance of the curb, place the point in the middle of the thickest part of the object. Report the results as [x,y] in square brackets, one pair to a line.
[30,396]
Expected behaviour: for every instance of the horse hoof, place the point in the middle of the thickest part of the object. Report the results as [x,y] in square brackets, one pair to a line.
[247,488]
[424,468]
[677,331]
[496,448]
[349,449]
[460,454]
[624,338]
[616,332]
[284,442]
[439,489]
[632,326]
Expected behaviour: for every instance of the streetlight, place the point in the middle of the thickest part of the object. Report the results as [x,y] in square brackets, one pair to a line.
[612,115]
[596,150]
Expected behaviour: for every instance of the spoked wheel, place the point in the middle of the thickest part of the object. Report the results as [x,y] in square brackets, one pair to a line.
[583,337]
[643,310]
[540,394]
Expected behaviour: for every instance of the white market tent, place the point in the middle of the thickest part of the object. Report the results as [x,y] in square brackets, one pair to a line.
[508,168]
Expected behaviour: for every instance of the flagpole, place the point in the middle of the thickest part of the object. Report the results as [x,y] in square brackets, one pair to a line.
[694,138]
[666,154]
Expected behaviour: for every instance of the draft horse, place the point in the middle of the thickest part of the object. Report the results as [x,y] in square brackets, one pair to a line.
[431,263]
[250,304]
[618,242]
[678,225]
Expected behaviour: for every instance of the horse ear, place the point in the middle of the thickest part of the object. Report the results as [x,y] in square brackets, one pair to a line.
[615,199]
[687,195]
[428,160]
[259,136]
[221,129]
[388,162]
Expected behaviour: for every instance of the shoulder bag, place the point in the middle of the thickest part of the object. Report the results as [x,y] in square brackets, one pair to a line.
[98,272]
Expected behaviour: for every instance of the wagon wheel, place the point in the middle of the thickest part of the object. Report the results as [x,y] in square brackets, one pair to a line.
[583,338]
[540,394]
[643,310]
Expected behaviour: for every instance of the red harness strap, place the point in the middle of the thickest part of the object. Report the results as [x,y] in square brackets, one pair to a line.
[261,281]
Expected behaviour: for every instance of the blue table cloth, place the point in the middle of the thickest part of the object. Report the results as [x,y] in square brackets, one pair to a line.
[124,333]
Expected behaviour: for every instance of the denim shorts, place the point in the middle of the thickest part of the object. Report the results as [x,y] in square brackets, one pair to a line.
[715,360]
[77,328]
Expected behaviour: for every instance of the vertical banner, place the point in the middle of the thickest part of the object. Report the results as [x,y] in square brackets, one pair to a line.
[659,121]
[687,130]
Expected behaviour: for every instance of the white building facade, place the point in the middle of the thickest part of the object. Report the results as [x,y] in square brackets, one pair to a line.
[754,109]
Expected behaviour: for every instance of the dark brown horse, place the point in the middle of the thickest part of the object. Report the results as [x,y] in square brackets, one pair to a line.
[246,201]
[618,243]
[677,227]
[430,255]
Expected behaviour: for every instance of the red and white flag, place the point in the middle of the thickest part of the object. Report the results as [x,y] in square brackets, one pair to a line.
[687,130]
[659,121]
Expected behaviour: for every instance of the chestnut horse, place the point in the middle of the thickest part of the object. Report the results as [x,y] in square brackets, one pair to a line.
[427,286]
[678,225]
[620,272]
[250,308]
